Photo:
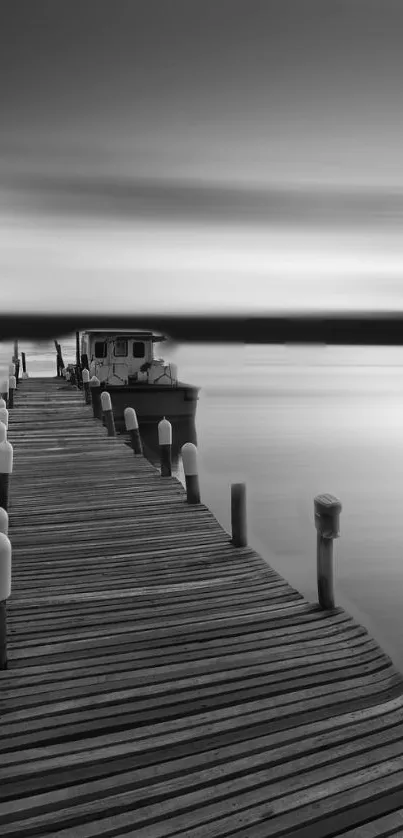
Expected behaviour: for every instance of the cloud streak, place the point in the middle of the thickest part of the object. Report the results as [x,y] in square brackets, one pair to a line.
[183,201]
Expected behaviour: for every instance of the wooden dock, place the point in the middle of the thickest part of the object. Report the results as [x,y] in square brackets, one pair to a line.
[162,682]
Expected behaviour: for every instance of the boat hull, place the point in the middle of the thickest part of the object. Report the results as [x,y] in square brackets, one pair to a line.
[153,401]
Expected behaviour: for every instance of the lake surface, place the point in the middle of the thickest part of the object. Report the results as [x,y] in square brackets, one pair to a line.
[293,422]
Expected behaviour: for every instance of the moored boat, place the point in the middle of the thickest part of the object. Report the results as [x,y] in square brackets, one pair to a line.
[124,363]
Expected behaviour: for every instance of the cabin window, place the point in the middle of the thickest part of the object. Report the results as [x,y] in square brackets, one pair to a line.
[138,349]
[120,348]
[100,349]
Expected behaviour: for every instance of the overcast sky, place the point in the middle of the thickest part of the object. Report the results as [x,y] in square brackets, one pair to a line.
[189,154]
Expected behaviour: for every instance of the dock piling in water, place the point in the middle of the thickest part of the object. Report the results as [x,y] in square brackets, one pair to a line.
[108,413]
[132,427]
[238,514]
[189,459]
[327,510]
[165,446]
[24,366]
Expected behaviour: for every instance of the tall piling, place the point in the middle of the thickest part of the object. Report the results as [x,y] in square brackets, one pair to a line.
[327,510]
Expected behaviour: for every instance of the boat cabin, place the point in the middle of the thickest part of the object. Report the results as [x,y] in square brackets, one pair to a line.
[125,358]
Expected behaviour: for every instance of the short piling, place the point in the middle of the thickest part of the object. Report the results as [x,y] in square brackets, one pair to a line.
[24,366]
[95,390]
[16,360]
[5,591]
[4,389]
[3,521]
[4,415]
[86,386]
[12,385]
[238,514]
[189,459]
[165,446]
[108,413]
[327,510]
[6,468]
[132,427]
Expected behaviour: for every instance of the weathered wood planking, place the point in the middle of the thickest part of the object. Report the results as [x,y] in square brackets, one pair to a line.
[162,682]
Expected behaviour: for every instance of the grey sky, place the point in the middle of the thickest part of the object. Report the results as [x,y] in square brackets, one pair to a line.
[122,121]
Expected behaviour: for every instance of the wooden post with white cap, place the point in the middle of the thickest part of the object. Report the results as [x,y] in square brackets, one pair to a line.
[3,413]
[86,386]
[327,510]
[6,468]
[165,445]
[5,589]
[4,388]
[3,521]
[132,427]
[108,413]
[16,361]
[12,385]
[189,459]
[95,397]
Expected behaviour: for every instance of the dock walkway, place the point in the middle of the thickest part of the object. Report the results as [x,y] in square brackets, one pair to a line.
[162,682]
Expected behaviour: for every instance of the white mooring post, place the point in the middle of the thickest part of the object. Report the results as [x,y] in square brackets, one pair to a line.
[3,432]
[3,521]
[132,427]
[189,459]
[4,415]
[327,510]
[108,413]
[165,445]
[4,389]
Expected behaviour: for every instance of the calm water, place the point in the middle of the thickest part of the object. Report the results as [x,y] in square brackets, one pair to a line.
[292,423]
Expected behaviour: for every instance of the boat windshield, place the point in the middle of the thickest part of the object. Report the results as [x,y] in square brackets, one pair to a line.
[120,348]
